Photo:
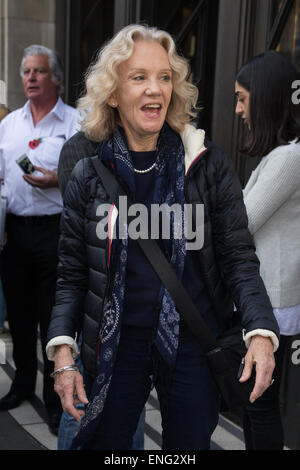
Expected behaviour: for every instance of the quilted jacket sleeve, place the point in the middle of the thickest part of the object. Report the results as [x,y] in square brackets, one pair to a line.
[236,251]
[72,272]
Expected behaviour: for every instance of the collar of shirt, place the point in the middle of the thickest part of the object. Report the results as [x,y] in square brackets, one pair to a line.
[58,110]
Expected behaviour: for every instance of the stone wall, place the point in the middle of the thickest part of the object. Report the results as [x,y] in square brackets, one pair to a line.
[22,22]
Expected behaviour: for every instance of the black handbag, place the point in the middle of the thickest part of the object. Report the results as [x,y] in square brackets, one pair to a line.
[226,354]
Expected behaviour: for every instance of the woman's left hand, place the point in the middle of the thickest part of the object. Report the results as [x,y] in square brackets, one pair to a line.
[260,354]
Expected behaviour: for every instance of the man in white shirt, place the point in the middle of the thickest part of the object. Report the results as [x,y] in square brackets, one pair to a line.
[38,130]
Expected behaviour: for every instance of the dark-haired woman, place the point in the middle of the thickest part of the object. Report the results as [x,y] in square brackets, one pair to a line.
[272,197]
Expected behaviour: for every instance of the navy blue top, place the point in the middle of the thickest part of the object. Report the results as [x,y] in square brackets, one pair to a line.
[142,285]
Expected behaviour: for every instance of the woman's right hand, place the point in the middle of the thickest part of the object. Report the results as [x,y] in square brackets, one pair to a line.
[69,384]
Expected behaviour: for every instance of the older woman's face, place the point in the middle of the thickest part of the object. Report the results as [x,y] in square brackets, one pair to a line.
[143,94]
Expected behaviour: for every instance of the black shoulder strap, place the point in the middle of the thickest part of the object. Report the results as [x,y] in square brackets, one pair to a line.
[162,267]
[108,180]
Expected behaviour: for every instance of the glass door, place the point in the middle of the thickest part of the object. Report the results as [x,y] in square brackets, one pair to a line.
[284,33]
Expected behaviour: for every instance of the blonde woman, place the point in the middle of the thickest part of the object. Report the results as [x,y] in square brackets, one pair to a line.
[137,106]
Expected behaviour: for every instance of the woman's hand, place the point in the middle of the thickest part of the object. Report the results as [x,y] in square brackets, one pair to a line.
[69,384]
[260,353]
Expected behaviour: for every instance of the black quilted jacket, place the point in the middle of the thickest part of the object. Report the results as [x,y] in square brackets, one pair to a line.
[229,265]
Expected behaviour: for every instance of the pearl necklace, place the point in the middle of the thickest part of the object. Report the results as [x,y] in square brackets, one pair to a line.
[142,172]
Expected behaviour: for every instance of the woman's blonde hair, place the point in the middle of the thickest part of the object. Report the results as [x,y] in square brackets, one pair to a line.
[100,119]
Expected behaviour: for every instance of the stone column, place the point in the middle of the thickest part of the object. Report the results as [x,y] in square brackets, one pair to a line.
[22,22]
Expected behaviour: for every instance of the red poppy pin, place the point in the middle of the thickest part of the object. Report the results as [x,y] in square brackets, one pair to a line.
[33,144]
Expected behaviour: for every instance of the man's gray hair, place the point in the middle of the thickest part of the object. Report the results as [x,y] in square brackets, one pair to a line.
[55,63]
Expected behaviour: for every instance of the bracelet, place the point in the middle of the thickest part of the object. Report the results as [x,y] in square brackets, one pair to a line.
[62,369]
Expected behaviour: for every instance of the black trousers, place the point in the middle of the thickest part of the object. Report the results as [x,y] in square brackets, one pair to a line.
[29,283]
[262,423]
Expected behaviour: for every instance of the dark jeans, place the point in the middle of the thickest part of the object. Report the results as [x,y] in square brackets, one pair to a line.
[262,420]
[29,282]
[68,427]
[188,397]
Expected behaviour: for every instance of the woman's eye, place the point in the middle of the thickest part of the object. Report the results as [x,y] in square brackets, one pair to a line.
[138,78]
[166,78]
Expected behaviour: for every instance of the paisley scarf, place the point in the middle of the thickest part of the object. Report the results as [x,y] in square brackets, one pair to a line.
[169,189]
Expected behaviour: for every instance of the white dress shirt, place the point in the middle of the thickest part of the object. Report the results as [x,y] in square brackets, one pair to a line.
[16,131]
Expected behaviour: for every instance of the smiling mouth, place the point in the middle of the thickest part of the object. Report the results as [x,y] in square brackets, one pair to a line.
[152,110]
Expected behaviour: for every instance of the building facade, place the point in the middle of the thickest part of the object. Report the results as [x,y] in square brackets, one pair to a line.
[217,36]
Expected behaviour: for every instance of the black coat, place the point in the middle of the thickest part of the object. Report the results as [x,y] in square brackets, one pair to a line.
[228,261]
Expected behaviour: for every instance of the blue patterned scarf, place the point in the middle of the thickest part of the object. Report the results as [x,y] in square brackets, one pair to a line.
[169,189]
